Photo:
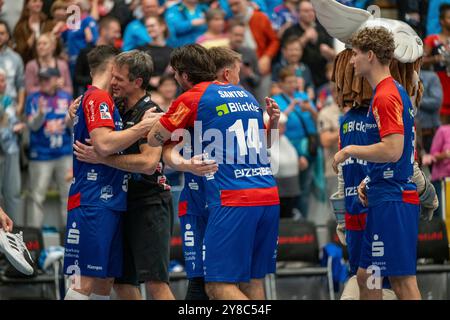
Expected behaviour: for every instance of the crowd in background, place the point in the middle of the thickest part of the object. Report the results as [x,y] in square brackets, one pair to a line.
[285,52]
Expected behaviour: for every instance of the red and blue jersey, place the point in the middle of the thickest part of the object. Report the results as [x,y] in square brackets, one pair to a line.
[352,131]
[228,125]
[391,112]
[53,139]
[97,184]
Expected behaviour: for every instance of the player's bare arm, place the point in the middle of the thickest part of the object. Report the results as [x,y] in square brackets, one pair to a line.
[390,149]
[158,135]
[144,162]
[107,142]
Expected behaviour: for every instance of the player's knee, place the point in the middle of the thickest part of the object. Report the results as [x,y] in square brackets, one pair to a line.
[215,290]
[157,286]
[211,290]
[402,284]
[103,286]
[86,285]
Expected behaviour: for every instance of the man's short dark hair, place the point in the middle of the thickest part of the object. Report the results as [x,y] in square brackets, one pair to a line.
[194,60]
[8,30]
[443,9]
[140,65]
[99,57]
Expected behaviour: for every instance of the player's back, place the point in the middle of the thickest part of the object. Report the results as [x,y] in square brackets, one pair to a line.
[96,184]
[233,134]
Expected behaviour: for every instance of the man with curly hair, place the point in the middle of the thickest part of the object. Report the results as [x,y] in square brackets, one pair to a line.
[390,241]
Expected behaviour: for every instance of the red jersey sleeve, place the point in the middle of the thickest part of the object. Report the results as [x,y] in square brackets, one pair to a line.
[98,110]
[182,112]
[388,113]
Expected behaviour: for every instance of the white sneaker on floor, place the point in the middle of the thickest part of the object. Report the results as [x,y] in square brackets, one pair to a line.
[15,250]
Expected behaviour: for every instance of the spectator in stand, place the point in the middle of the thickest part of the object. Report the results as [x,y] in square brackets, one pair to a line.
[58,13]
[123,11]
[166,92]
[427,119]
[45,49]
[328,127]
[410,12]
[440,150]
[317,44]
[259,36]
[50,145]
[136,33]
[433,16]
[78,39]
[186,22]
[249,74]
[260,5]
[435,46]
[109,33]
[10,177]
[292,52]
[31,25]
[325,91]
[158,48]
[215,35]
[12,63]
[272,4]
[302,116]
[284,16]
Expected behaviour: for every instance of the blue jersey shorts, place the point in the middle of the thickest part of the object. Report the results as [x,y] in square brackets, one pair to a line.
[390,239]
[354,239]
[93,244]
[192,232]
[240,243]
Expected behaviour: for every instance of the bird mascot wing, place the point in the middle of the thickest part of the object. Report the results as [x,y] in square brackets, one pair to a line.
[342,22]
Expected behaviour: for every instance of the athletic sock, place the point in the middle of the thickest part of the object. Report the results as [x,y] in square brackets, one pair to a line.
[196,289]
[75,295]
